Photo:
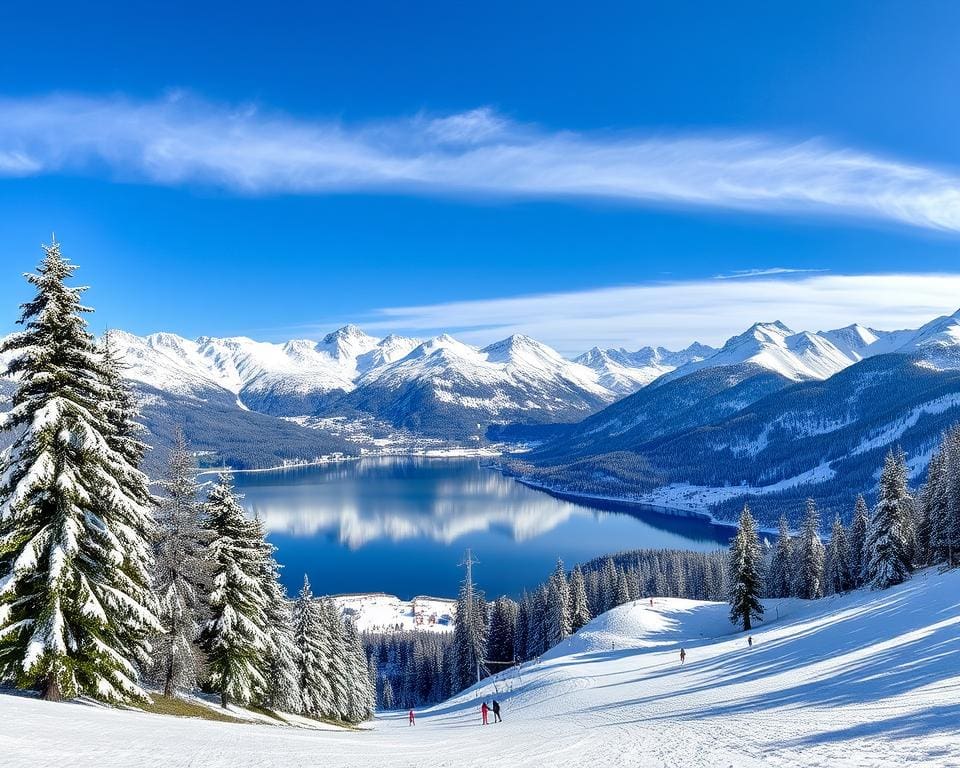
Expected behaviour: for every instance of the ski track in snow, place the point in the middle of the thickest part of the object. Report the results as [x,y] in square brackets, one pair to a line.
[866,679]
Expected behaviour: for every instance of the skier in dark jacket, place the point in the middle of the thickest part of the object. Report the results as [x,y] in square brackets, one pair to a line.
[683,656]
[496,711]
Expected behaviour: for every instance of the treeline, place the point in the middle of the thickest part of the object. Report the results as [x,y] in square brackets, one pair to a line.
[104,586]
[880,548]
[418,668]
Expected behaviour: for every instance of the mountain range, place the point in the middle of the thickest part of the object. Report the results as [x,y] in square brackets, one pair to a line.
[770,416]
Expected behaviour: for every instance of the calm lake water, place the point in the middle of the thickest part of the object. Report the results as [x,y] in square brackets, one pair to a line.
[401,525]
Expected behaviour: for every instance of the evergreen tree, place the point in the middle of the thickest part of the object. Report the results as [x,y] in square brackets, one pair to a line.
[780,579]
[361,700]
[312,641]
[857,542]
[622,596]
[810,554]
[745,572]
[887,545]
[836,564]
[338,663]
[387,695]
[469,632]
[944,507]
[579,608]
[558,607]
[234,636]
[181,574]
[503,625]
[282,689]
[76,608]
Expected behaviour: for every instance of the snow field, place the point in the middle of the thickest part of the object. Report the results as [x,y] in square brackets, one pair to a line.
[865,679]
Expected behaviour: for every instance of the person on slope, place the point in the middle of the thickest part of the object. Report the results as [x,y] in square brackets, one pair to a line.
[683,656]
[496,712]
[413,718]
[484,710]
[750,641]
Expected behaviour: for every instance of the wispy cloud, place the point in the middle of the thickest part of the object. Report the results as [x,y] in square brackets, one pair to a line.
[766,272]
[677,313]
[183,140]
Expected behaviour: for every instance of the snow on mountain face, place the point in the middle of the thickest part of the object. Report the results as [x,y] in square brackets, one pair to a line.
[934,345]
[624,372]
[795,356]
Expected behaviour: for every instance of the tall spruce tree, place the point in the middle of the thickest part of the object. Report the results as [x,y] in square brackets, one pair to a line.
[746,577]
[469,632]
[361,698]
[857,542]
[338,663]
[809,556]
[76,608]
[181,574]
[887,544]
[780,577]
[558,606]
[282,689]
[836,563]
[502,636]
[579,607]
[234,636]
[312,640]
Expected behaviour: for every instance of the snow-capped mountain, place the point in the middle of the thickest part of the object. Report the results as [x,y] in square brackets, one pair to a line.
[795,356]
[447,387]
[623,372]
[744,430]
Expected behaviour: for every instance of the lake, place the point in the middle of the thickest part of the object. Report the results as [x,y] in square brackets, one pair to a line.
[401,525]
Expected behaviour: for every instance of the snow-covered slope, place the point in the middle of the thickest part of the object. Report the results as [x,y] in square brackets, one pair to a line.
[795,356]
[623,372]
[447,387]
[865,679]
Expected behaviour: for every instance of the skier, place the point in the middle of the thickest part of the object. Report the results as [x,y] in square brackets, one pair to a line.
[413,718]
[484,709]
[683,656]
[750,641]
[496,712]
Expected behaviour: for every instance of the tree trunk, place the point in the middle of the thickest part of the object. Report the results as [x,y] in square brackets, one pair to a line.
[51,689]
[746,622]
[223,699]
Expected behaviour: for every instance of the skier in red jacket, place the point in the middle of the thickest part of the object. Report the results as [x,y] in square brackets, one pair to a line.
[413,718]
[484,709]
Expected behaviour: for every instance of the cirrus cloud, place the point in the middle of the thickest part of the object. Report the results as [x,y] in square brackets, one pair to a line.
[181,140]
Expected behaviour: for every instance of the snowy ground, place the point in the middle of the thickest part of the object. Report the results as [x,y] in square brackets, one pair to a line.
[386,612]
[868,679]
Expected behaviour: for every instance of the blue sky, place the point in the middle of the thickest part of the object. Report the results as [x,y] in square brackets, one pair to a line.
[278,172]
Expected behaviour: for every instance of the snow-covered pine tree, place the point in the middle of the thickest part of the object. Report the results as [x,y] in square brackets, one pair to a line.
[780,576]
[622,596]
[947,533]
[312,641]
[503,626]
[361,698]
[282,690]
[809,556]
[746,576]
[469,632]
[520,640]
[558,606]
[181,574]
[608,585]
[887,545]
[836,564]
[579,608]
[234,636]
[76,608]
[386,695]
[337,660]
[933,509]
[857,542]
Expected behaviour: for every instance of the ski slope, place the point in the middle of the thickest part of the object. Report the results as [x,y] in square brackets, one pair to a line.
[866,679]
